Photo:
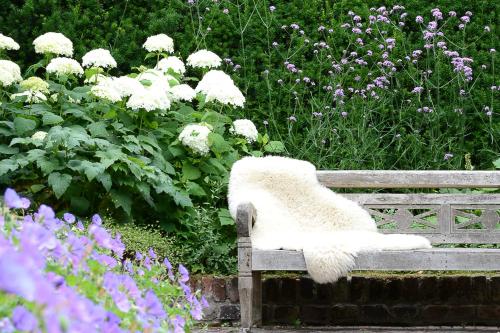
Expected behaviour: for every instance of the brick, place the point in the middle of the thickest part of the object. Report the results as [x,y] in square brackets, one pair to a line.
[229,312]
[286,314]
[405,314]
[324,293]
[455,290]
[428,291]
[375,314]
[232,290]
[377,292]
[488,314]
[359,289]
[270,291]
[219,289]
[495,289]
[288,292]
[434,314]
[314,315]
[206,285]
[409,289]
[393,290]
[341,291]
[479,290]
[306,290]
[346,314]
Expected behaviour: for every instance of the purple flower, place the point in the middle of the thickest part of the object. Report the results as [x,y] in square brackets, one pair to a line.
[452,13]
[292,119]
[447,156]
[15,278]
[344,114]
[272,8]
[419,19]
[13,200]
[339,92]
[178,323]
[69,218]
[294,26]
[417,90]
[225,11]
[465,19]
[96,219]
[184,273]
[23,319]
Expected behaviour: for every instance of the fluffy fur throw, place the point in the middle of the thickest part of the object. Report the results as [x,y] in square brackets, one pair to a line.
[295,212]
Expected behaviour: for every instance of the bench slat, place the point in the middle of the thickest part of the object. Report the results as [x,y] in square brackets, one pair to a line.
[408,179]
[423,199]
[472,259]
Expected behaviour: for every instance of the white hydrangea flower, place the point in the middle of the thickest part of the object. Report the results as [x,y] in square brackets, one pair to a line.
[7,43]
[9,73]
[204,59]
[64,66]
[127,85]
[182,92]
[195,137]
[172,63]
[149,100]
[106,90]
[35,84]
[55,43]
[218,86]
[159,43]
[99,58]
[32,96]
[245,128]
[157,79]
[39,136]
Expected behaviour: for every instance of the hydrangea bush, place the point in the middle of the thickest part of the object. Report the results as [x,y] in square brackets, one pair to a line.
[150,144]
[58,275]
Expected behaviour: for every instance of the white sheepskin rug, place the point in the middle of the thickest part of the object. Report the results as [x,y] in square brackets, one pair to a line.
[295,212]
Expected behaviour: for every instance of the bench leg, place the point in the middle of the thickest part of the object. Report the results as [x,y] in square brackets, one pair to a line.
[250,289]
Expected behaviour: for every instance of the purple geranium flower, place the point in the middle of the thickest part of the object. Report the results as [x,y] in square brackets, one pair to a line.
[23,319]
[13,200]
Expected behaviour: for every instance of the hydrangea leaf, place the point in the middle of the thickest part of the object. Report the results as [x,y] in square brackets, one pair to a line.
[121,200]
[7,165]
[195,189]
[190,172]
[274,147]
[23,125]
[51,119]
[105,180]
[98,129]
[6,150]
[59,183]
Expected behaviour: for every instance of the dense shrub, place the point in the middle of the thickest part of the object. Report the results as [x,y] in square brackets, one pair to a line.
[386,133]
[57,275]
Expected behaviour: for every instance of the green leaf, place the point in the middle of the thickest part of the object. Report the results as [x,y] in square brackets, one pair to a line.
[79,204]
[35,188]
[7,165]
[225,217]
[195,189]
[190,172]
[121,200]
[23,125]
[275,147]
[217,143]
[59,182]
[497,163]
[51,119]
[47,165]
[6,150]
[105,180]
[98,129]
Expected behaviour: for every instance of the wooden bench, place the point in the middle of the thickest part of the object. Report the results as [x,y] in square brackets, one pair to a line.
[442,218]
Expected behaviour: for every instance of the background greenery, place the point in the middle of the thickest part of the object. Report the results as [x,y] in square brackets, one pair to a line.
[391,137]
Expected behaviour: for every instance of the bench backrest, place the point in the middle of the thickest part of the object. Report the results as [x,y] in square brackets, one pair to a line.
[442,218]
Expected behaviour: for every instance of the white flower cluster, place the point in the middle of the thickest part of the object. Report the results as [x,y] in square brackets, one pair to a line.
[245,128]
[159,43]
[105,89]
[7,43]
[39,136]
[99,58]
[55,43]
[204,59]
[149,100]
[127,86]
[173,63]
[64,66]
[195,137]
[34,83]
[218,86]
[182,92]
[9,73]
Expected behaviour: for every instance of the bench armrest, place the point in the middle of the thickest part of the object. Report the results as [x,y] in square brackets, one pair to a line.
[245,218]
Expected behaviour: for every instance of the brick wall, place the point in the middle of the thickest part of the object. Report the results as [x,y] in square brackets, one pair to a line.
[387,300]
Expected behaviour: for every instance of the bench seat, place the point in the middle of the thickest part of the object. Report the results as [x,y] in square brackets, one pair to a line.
[435,259]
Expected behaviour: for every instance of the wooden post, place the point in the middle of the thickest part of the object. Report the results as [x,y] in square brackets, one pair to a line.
[249,283]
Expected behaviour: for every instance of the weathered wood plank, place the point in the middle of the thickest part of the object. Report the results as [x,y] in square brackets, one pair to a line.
[422,199]
[414,260]
[408,179]
[469,236]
